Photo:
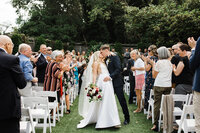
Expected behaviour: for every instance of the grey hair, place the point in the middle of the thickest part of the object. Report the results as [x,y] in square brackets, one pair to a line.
[23,47]
[163,53]
[56,53]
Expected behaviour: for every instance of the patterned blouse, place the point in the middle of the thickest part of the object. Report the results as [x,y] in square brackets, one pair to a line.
[51,81]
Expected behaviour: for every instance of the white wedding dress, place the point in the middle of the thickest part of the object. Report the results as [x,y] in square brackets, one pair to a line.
[104,113]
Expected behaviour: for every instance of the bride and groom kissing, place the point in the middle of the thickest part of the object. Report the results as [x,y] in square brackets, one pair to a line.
[104,70]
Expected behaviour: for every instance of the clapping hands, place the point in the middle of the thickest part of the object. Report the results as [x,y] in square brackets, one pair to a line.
[191,42]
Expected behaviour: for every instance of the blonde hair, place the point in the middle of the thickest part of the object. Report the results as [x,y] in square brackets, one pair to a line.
[96,56]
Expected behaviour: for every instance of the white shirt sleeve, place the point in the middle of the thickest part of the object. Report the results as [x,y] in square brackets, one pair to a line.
[140,63]
[156,68]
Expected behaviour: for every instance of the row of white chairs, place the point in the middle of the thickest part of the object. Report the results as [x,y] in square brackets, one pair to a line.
[187,100]
[39,107]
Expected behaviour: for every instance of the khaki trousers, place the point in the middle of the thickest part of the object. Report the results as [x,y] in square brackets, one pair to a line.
[158,91]
[196,100]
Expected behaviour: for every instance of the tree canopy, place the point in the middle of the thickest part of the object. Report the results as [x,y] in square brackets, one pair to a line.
[141,22]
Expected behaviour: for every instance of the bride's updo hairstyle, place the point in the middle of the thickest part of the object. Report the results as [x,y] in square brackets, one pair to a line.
[96,56]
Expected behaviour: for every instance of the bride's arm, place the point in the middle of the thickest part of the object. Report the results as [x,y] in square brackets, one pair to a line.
[94,72]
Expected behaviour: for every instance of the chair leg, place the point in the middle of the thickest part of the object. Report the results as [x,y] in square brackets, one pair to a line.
[49,123]
[152,113]
[58,113]
[54,117]
[159,122]
[148,112]
[45,125]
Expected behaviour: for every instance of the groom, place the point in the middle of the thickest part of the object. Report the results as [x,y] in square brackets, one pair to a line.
[114,68]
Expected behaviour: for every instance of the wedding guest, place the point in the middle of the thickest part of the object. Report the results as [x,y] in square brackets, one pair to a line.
[49,51]
[83,55]
[41,64]
[53,74]
[195,65]
[140,50]
[73,53]
[126,57]
[175,60]
[149,80]
[68,78]
[162,72]
[11,78]
[184,75]
[139,77]
[75,69]
[131,79]
[27,68]
[145,52]
[79,63]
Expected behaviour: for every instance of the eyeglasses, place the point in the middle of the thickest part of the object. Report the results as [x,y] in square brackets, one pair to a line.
[49,49]
[149,50]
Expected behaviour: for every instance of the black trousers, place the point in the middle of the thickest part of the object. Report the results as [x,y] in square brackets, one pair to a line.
[9,125]
[120,95]
[132,88]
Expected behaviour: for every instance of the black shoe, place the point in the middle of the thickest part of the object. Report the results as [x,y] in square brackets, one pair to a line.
[130,102]
[126,122]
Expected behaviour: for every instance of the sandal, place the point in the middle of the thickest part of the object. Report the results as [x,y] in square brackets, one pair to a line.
[68,112]
[155,128]
[137,111]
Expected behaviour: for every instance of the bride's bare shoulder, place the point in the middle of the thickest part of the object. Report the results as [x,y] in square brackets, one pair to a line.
[95,64]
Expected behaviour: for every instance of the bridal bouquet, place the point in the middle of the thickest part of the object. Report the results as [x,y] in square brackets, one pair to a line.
[94,93]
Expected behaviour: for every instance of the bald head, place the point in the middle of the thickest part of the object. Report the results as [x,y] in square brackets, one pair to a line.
[4,39]
[6,43]
[43,48]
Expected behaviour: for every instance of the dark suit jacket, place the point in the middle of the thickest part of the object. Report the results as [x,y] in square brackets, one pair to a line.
[11,78]
[114,68]
[41,65]
[195,65]
[130,64]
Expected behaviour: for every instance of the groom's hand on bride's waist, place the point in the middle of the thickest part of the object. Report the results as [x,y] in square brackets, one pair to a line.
[107,79]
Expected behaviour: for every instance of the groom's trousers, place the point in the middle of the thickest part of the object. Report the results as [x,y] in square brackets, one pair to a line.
[120,95]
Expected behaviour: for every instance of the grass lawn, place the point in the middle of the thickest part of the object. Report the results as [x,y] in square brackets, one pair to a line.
[67,124]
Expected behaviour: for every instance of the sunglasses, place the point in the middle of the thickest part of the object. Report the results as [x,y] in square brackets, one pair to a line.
[149,50]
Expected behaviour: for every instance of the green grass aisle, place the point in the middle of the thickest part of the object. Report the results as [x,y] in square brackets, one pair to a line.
[67,124]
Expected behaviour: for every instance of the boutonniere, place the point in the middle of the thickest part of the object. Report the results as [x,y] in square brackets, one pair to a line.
[108,61]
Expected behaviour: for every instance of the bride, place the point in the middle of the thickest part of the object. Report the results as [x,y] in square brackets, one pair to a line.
[104,113]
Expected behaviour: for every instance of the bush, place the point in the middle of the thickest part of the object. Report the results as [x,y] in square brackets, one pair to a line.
[58,45]
[17,40]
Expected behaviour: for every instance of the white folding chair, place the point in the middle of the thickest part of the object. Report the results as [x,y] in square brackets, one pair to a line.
[126,85]
[190,101]
[177,111]
[63,106]
[27,126]
[187,125]
[38,113]
[37,88]
[52,105]
[151,106]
